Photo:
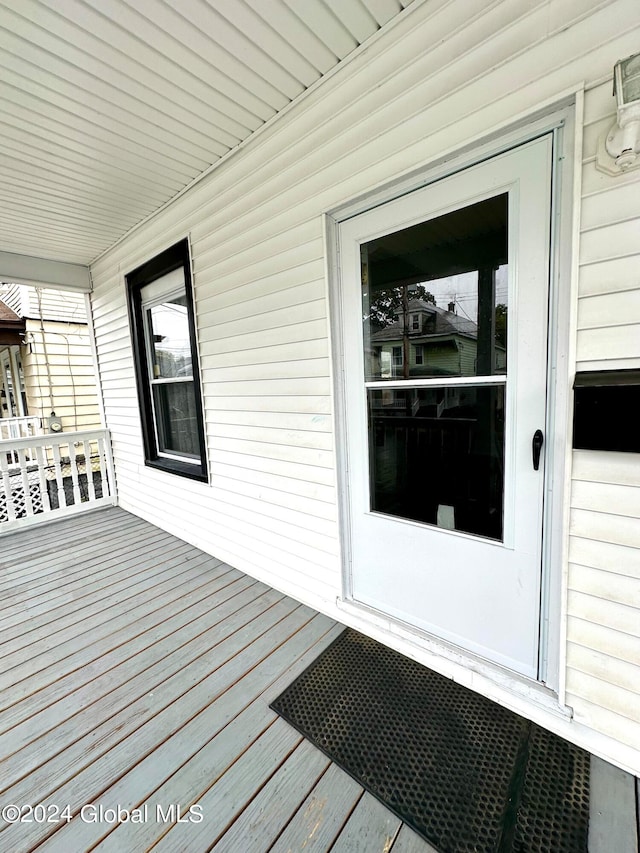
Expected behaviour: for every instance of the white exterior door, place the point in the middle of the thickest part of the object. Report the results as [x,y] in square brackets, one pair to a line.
[444,296]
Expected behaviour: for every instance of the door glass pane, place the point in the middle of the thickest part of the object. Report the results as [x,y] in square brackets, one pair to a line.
[436,455]
[434,296]
[176,418]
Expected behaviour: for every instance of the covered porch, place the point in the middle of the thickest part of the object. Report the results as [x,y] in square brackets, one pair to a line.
[137,673]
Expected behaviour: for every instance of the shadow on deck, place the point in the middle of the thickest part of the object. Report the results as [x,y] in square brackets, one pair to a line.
[137,673]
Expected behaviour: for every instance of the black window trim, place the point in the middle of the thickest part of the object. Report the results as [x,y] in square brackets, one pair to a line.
[175,257]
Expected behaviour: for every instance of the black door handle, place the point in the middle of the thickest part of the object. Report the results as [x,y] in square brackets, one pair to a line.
[536,447]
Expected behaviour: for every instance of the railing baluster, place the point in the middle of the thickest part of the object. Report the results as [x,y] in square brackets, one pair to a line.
[73,461]
[106,485]
[8,491]
[26,486]
[42,478]
[62,498]
[91,489]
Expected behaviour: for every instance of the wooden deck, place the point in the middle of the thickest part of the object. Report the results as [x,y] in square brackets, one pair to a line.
[137,673]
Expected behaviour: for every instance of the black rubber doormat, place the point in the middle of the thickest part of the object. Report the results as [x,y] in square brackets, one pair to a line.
[465,773]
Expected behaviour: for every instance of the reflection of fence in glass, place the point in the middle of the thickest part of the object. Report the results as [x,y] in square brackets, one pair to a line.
[175,406]
[439,447]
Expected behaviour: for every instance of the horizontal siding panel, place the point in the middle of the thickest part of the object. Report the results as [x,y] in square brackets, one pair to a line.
[611,586]
[614,342]
[321,475]
[296,403]
[272,435]
[615,204]
[280,316]
[267,260]
[290,289]
[602,638]
[595,181]
[607,613]
[280,494]
[311,386]
[606,467]
[222,257]
[300,543]
[275,421]
[617,559]
[612,309]
[279,370]
[605,527]
[113,327]
[258,357]
[602,720]
[601,497]
[278,481]
[259,555]
[292,454]
[244,287]
[605,695]
[235,340]
[604,667]
[610,241]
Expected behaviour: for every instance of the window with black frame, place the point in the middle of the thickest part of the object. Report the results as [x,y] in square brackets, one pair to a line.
[166,362]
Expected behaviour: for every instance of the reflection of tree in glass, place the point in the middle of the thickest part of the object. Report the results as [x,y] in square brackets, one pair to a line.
[501,324]
[388,303]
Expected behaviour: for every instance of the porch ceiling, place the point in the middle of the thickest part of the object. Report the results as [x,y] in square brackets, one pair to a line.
[109,108]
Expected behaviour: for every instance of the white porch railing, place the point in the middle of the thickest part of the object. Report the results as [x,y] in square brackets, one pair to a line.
[48,476]
[20,427]
[23,427]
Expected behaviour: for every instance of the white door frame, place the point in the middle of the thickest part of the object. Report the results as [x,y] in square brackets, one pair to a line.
[562,124]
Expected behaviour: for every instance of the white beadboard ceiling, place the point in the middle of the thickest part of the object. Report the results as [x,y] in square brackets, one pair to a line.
[109,108]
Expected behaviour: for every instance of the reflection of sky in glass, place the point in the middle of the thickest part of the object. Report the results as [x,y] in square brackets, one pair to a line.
[170,329]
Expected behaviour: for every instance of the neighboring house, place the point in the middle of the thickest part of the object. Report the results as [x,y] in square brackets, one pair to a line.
[462,135]
[439,343]
[46,357]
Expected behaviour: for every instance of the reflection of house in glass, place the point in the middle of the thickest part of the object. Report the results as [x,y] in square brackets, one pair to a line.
[438,342]
[437,453]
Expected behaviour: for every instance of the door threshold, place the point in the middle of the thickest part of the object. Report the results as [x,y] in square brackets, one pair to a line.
[510,689]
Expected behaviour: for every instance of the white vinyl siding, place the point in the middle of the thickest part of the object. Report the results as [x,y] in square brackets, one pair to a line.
[447,75]
[603,642]
[16,297]
[609,296]
[54,304]
[59,374]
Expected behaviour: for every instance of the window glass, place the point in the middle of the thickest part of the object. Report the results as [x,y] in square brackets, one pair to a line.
[170,342]
[443,285]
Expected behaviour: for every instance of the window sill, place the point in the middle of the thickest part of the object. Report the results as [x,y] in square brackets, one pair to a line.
[181,469]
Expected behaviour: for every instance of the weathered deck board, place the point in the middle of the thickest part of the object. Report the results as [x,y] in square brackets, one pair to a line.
[262,821]
[371,829]
[137,671]
[151,629]
[322,816]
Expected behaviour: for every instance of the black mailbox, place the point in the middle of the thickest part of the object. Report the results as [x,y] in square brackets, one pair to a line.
[606,411]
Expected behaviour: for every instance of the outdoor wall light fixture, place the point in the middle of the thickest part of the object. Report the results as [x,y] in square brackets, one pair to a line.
[619,148]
